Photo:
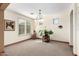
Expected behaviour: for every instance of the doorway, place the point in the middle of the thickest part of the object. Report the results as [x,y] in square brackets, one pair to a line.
[71,28]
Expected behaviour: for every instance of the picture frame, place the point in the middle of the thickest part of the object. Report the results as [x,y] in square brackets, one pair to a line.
[9,25]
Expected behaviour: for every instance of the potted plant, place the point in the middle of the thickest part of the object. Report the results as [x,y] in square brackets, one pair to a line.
[45,35]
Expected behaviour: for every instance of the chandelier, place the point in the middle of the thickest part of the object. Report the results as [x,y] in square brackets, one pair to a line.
[39,16]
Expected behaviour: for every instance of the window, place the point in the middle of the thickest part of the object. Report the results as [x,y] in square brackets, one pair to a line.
[24,27]
[28,27]
[56,21]
[21,26]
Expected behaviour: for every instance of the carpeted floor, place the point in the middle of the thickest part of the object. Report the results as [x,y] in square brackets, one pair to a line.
[38,48]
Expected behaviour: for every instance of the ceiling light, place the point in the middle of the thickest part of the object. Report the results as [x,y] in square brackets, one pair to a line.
[39,16]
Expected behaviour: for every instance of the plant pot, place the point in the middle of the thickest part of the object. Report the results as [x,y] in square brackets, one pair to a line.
[46,38]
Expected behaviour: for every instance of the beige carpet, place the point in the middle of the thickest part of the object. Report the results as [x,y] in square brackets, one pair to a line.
[38,48]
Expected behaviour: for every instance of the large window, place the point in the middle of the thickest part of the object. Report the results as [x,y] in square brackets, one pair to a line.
[28,27]
[24,27]
[21,26]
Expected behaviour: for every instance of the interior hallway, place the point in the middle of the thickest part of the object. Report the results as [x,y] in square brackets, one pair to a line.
[38,48]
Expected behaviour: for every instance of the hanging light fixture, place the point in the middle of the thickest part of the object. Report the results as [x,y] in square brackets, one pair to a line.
[39,16]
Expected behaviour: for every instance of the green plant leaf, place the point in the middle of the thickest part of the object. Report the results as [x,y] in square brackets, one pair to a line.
[43,32]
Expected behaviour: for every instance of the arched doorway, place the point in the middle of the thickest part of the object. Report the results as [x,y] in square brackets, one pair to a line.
[71,28]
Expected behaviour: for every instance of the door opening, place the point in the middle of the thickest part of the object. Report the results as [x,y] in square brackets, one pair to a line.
[71,28]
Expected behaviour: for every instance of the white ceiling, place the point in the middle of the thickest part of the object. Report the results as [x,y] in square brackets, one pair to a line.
[47,8]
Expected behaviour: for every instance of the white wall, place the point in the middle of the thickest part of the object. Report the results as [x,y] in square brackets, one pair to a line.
[59,34]
[74,29]
[12,36]
[75,42]
[77,28]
